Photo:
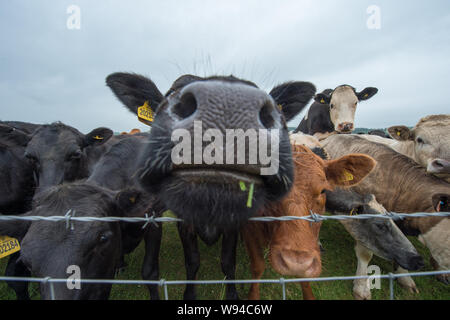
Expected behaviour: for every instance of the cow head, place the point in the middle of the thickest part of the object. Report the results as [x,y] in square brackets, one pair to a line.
[48,249]
[58,153]
[294,246]
[343,102]
[431,142]
[192,160]
[381,236]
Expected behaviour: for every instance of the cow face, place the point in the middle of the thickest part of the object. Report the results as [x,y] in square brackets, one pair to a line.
[48,249]
[214,193]
[431,142]
[381,236]
[343,102]
[58,153]
[294,246]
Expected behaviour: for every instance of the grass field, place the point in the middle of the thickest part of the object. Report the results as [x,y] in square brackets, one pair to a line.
[338,260]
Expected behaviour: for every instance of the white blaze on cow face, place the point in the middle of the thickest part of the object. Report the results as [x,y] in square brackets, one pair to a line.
[428,143]
[343,105]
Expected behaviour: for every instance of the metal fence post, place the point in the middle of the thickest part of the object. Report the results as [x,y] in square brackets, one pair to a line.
[391,286]
[283,287]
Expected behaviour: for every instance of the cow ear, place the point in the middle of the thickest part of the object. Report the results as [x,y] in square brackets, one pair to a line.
[441,202]
[367,93]
[13,135]
[401,133]
[15,229]
[322,98]
[292,97]
[134,91]
[131,202]
[97,137]
[349,170]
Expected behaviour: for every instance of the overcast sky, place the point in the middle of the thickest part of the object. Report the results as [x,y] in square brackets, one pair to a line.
[49,72]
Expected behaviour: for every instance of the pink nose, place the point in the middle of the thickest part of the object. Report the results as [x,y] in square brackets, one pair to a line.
[345,127]
[439,166]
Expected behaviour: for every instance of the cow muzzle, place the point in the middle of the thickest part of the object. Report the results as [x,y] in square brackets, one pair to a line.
[439,166]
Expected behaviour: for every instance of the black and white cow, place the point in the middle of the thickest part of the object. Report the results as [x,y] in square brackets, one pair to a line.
[334,111]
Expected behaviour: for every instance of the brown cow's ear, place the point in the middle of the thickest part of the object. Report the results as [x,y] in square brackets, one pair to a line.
[401,133]
[441,202]
[349,170]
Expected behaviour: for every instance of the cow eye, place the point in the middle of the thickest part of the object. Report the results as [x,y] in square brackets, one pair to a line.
[32,159]
[104,237]
[331,106]
[75,155]
[420,140]
[323,191]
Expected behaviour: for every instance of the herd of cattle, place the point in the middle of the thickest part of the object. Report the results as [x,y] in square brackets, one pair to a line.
[49,169]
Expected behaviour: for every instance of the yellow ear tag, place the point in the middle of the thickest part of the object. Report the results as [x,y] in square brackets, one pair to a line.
[280,107]
[399,133]
[145,114]
[98,138]
[8,246]
[348,176]
[322,101]
[353,212]
[366,95]
[132,199]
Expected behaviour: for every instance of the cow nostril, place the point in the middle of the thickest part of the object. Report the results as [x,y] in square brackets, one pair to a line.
[186,107]
[438,164]
[265,115]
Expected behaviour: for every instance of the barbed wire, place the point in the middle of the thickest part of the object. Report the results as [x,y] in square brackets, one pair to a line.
[70,217]
[165,283]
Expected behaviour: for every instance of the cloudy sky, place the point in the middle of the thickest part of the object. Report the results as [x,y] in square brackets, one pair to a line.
[49,72]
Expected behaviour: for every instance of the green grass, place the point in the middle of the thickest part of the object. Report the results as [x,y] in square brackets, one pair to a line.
[338,260]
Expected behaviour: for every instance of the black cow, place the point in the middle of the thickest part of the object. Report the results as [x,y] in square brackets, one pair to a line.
[333,111]
[49,248]
[16,174]
[116,170]
[59,152]
[46,156]
[209,197]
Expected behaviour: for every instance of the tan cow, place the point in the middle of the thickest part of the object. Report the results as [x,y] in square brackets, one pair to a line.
[294,249]
[401,186]
[428,143]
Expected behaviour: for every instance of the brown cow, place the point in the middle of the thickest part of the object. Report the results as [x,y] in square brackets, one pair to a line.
[294,249]
[400,185]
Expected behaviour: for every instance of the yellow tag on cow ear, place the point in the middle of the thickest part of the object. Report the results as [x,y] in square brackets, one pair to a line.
[132,199]
[280,107]
[322,101]
[348,176]
[98,137]
[8,246]
[145,114]
[366,95]
[399,133]
[354,212]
